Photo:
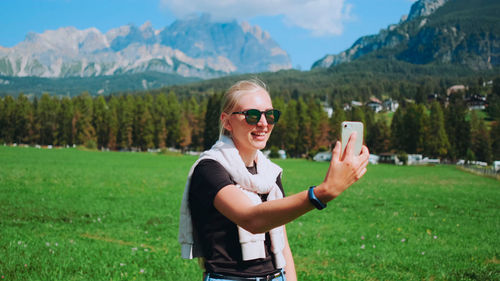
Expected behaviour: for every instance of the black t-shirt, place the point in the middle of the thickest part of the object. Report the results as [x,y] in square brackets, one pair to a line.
[217,234]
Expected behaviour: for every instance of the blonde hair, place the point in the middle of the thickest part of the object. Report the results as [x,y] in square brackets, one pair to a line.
[233,95]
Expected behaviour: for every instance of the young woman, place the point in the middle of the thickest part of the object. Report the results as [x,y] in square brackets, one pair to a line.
[234,209]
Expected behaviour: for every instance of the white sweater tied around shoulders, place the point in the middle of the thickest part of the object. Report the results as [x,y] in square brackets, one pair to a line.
[264,182]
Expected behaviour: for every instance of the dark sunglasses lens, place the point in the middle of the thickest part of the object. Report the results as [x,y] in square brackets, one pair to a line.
[252,116]
[272,116]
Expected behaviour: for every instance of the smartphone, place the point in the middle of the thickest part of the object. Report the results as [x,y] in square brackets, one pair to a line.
[348,127]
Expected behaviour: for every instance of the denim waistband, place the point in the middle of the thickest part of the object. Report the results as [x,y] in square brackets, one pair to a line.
[279,276]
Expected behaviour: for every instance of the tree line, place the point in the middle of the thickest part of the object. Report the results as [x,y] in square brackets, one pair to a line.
[441,128]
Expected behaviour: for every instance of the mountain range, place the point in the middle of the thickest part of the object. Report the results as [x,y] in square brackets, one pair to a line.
[192,47]
[457,32]
[453,36]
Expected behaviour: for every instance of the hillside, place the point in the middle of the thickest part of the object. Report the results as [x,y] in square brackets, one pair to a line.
[72,86]
[459,32]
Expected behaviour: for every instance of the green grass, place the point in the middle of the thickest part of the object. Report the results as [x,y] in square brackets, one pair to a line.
[67,214]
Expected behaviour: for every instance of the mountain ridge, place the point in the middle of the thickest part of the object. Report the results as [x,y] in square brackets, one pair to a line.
[436,31]
[175,49]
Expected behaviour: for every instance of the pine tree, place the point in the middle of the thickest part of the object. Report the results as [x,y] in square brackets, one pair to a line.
[159,118]
[457,126]
[437,144]
[84,131]
[303,142]
[3,121]
[212,114]
[414,128]
[23,116]
[378,138]
[369,121]
[186,132]
[100,121]
[47,118]
[193,112]
[172,120]
[143,132]
[494,100]
[481,143]
[292,128]
[318,125]
[199,128]
[398,130]
[65,116]
[357,114]
[495,140]
[125,137]
[8,120]
[279,130]
[113,123]
[147,130]
[335,122]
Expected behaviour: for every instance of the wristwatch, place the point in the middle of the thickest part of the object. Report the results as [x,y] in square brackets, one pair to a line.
[314,200]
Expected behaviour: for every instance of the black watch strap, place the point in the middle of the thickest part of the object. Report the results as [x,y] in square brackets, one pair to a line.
[314,200]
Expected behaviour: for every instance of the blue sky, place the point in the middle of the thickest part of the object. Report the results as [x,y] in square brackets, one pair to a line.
[306,29]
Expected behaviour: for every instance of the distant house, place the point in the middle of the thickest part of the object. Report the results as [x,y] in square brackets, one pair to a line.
[353,103]
[496,166]
[373,159]
[281,153]
[375,104]
[476,102]
[390,105]
[328,110]
[455,89]
[427,160]
[356,103]
[414,159]
[389,158]
[323,156]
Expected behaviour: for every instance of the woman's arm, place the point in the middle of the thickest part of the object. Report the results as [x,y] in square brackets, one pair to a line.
[342,173]
[291,274]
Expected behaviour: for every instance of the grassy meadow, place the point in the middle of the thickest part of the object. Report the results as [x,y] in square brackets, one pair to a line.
[68,214]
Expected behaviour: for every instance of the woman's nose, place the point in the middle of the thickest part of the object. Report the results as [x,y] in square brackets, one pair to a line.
[263,120]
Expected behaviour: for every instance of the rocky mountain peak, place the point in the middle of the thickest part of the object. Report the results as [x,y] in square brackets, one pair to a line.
[424,8]
[193,47]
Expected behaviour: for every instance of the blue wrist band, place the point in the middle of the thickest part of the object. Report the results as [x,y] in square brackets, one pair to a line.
[314,200]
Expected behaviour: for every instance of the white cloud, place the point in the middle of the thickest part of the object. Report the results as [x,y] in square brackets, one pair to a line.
[321,17]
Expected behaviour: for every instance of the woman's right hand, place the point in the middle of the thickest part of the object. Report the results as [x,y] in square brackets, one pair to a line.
[344,170]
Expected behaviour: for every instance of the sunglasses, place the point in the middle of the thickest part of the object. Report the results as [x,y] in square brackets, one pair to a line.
[252,116]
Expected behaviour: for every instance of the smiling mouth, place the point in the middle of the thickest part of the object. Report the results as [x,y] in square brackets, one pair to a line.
[259,134]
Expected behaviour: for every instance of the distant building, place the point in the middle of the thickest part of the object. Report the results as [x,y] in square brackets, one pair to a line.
[390,105]
[281,153]
[427,160]
[375,104]
[373,159]
[476,102]
[323,156]
[328,110]
[356,103]
[389,158]
[414,159]
[496,166]
[455,89]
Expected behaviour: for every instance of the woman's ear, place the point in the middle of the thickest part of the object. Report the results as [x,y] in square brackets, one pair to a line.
[224,119]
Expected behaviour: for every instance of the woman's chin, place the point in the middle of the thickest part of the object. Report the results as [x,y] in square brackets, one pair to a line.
[259,144]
